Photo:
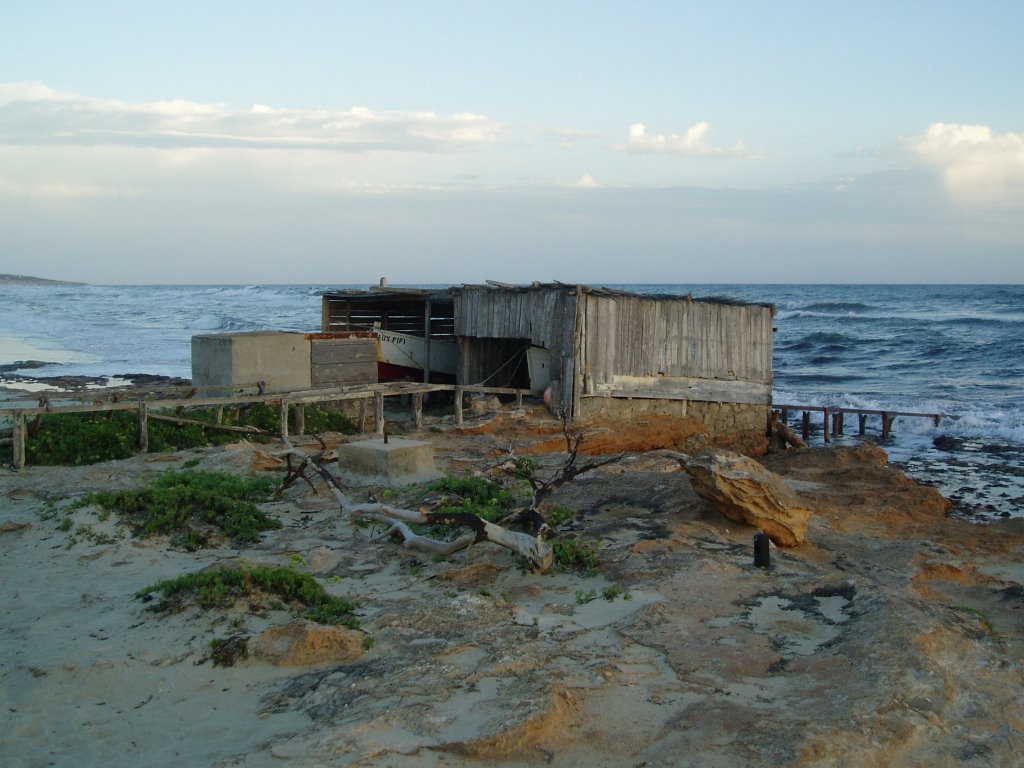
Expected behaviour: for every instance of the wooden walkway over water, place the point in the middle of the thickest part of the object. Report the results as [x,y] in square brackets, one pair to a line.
[833,418]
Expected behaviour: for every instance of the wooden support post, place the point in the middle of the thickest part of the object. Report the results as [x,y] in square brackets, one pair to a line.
[862,422]
[519,398]
[220,414]
[283,419]
[143,428]
[299,409]
[362,416]
[838,428]
[417,410]
[19,440]
[886,424]
[37,422]
[784,416]
[378,412]
[458,406]
[824,426]
[805,427]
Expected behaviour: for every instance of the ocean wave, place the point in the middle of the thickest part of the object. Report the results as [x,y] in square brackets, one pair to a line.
[840,307]
[216,323]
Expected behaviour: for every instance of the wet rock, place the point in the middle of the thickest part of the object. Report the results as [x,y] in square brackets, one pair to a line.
[743,490]
[948,443]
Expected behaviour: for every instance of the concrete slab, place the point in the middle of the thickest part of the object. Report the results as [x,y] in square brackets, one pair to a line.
[396,463]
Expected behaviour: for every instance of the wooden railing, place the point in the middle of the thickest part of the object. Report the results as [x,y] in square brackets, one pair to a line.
[146,401]
[832,422]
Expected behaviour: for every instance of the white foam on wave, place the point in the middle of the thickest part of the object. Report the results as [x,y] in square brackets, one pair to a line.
[981,421]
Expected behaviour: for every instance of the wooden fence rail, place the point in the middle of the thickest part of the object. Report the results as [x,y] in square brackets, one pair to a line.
[142,401]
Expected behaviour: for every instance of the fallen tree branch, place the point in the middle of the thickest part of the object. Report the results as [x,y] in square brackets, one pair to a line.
[533,548]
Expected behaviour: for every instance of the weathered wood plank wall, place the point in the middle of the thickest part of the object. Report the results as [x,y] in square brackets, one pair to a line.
[342,361]
[641,337]
[546,317]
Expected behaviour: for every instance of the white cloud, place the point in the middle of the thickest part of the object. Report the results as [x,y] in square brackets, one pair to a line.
[979,167]
[693,143]
[586,181]
[34,114]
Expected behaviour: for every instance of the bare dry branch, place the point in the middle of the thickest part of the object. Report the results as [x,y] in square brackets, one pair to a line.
[533,548]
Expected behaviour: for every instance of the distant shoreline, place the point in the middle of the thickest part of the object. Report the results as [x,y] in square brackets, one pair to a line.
[28,280]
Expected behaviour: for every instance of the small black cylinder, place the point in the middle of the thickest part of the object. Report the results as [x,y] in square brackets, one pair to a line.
[761,555]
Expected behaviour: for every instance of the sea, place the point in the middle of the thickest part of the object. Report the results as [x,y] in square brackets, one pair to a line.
[954,350]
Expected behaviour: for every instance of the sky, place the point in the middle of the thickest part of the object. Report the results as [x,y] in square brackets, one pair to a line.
[447,142]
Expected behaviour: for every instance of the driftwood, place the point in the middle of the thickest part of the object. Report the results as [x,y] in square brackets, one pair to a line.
[398,520]
[783,430]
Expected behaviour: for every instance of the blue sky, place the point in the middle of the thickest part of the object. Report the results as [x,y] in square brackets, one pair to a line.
[674,142]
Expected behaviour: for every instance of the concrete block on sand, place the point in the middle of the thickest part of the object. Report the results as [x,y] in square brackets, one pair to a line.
[397,462]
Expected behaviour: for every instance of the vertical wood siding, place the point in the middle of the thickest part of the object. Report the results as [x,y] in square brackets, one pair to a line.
[634,336]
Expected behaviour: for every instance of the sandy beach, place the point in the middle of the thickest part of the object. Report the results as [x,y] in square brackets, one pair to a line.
[892,636]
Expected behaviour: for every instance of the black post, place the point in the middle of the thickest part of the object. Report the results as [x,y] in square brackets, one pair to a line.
[761,553]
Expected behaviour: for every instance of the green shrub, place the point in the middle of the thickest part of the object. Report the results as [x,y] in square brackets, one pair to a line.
[475,495]
[77,438]
[82,438]
[186,504]
[218,588]
[576,555]
[560,514]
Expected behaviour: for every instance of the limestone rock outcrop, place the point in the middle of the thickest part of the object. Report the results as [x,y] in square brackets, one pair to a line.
[305,642]
[743,490]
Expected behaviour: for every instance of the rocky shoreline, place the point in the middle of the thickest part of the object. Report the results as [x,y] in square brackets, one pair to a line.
[892,636]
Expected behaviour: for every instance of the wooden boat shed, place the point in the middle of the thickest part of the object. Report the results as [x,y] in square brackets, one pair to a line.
[611,353]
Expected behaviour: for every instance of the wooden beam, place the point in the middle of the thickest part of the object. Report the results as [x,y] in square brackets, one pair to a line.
[378,413]
[686,388]
[18,435]
[143,443]
[283,419]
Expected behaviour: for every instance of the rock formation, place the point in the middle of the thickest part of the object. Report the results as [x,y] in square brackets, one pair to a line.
[304,642]
[744,491]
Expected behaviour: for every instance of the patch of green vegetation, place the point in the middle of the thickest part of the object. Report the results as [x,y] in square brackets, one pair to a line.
[327,420]
[187,505]
[82,438]
[76,438]
[582,598]
[610,592]
[525,467]
[65,525]
[560,514]
[475,495]
[576,555]
[218,588]
[191,463]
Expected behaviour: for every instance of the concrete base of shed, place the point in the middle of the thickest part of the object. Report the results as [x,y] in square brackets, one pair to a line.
[396,463]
